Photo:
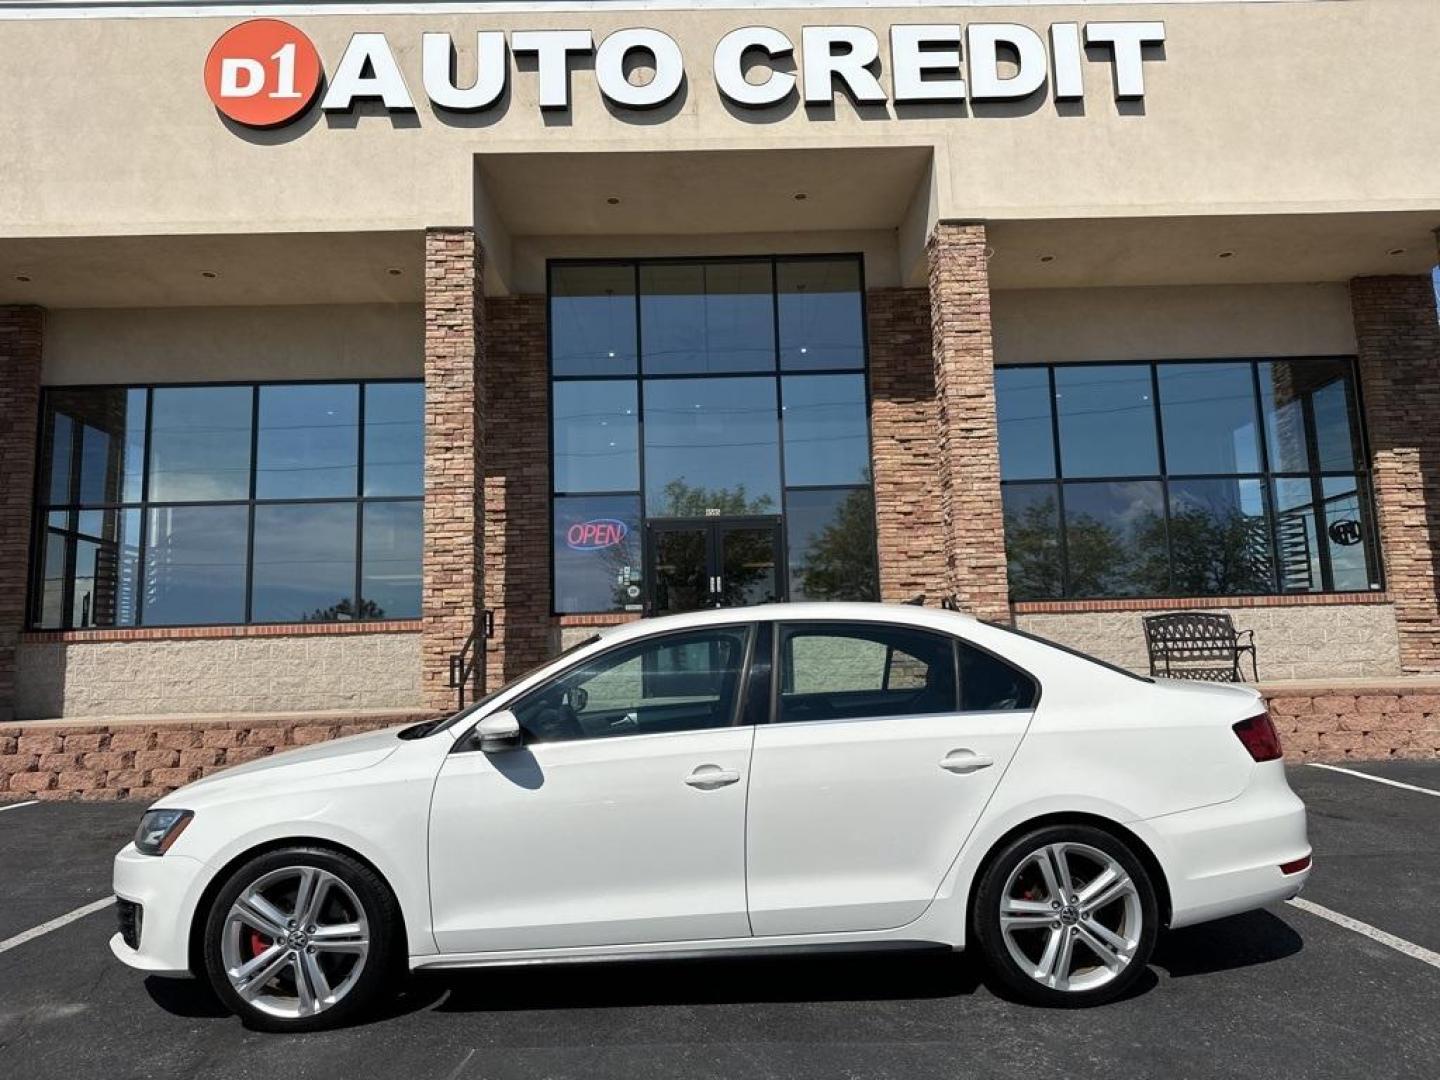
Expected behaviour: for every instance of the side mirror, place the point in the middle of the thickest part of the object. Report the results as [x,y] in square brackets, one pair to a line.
[499,732]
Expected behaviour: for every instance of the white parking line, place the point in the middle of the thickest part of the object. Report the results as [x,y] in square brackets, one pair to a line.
[1376,779]
[55,924]
[1409,948]
[18,805]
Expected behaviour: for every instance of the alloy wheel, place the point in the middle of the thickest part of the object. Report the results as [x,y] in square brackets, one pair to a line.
[295,942]
[1071,917]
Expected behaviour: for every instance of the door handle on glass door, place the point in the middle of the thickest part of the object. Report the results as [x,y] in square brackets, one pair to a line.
[710,777]
[965,761]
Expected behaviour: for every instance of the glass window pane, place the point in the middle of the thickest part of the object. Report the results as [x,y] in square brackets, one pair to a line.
[200,445]
[1115,539]
[394,438]
[988,684]
[859,671]
[597,436]
[50,601]
[682,682]
[107,566]
[1208,415]
[1348,532]
[1032,541]
[1219,538]
[308,445]
[195,565]
[596,548]
[711,444]
[1107,420]
[592,320]
[109,426]
[1323,388]
[304,563]
[390,570]
[830,540]
[1297,540]
[707,317]
[827,436]
[822,323]
[1027,439]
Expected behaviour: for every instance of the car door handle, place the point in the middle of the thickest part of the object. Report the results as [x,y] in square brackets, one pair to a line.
[965,761]
[710,777]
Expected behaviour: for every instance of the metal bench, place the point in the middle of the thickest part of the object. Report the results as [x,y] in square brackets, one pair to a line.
[1198,645]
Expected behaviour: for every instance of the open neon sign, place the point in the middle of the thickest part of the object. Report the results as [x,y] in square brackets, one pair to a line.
[596,534]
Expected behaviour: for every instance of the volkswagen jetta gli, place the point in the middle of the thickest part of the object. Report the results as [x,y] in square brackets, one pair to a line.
[790,777]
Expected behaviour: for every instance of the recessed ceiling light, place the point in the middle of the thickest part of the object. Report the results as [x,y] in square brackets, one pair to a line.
[22,278]
[394,271]
[1226,255]
[208,274]
[613,200]
[800,196]
[1396,251]
[1047,258]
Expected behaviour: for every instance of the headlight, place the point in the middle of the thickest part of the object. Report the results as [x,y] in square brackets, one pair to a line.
[159,829]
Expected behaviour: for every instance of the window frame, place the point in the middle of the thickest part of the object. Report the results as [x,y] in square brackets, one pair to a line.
[1362,473]
[777,373]
[41,508]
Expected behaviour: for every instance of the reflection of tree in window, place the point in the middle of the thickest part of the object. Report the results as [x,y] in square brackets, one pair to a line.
[684,500]
[344,611]
[840,561]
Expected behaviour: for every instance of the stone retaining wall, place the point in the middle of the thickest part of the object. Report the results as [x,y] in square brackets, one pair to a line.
[1371,721]
[146,758]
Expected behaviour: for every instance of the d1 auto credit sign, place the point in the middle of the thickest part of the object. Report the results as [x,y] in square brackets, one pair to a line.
[265,72]
[262,73]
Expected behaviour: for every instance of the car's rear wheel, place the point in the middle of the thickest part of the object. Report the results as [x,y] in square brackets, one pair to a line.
[300,939]
[1066,915]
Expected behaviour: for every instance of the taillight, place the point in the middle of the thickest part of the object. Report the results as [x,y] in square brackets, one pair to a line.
[1259,736]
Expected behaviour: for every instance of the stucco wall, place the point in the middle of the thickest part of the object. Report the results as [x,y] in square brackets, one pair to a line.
[1331,641]
[248,674]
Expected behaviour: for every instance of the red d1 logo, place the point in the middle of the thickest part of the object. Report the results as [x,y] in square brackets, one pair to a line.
[262,73]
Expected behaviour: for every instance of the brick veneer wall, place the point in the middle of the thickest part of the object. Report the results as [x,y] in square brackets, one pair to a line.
[129,760]
[1398,339]
[968,450]
[903,446]
[454,545]
[517,485]
[21,333]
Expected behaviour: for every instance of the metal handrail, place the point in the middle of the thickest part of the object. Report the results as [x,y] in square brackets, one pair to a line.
[466,664]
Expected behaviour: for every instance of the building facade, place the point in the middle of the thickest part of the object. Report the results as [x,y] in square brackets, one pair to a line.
[336,337]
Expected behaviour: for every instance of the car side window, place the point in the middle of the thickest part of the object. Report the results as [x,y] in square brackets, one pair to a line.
[847,671]
[989,684]
[679,682]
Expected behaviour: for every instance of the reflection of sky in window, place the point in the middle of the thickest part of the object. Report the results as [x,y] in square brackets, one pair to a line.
[597,432]
[1208,412]
[715,434]
[826,437]
[200,444]
[1107,423]
[1022,405]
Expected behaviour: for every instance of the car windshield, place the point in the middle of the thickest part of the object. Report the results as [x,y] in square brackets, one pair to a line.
[441,723]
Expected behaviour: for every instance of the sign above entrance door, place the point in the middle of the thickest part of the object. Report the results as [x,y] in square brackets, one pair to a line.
[263,73]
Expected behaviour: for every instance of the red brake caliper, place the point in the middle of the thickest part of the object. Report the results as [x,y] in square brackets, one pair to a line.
[258,943]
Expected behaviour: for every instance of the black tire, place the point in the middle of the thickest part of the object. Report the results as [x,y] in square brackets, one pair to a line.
[380,968]
[1023,984]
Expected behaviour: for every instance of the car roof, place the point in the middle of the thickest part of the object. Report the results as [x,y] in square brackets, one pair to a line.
[829,611]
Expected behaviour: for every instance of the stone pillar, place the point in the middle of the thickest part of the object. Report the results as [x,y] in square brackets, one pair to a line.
[968,443]
[902,446]
[1398,340]
[517,485]
[21,334]
[452,587]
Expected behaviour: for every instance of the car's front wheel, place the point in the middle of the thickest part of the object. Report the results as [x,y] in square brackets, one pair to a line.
[300,938]
[1066,915]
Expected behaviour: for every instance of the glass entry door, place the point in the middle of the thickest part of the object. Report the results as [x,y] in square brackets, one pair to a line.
[725,562]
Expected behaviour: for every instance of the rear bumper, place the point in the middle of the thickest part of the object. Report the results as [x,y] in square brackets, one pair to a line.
[1224,859]
[166,888]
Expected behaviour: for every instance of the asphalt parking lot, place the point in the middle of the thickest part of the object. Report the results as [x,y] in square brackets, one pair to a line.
[1283,992]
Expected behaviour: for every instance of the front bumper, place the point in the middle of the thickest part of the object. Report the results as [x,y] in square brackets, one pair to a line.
[1224,859]
[167,888]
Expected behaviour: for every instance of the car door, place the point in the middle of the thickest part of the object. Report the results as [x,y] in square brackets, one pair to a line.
[873,772]
[621,818]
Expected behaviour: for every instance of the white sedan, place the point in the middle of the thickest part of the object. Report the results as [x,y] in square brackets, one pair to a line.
[793,778]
